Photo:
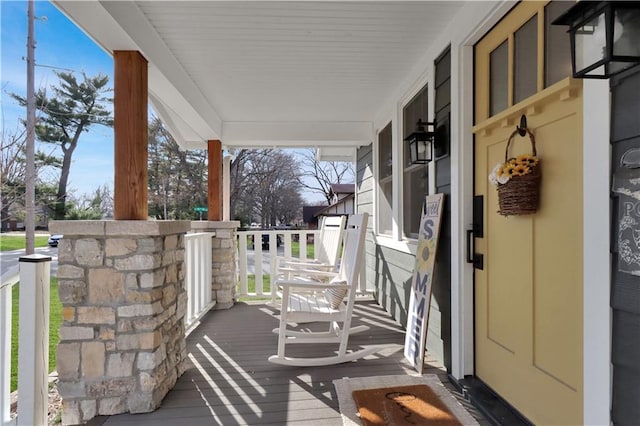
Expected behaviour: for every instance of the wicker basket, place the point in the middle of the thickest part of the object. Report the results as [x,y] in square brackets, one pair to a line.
[521,194]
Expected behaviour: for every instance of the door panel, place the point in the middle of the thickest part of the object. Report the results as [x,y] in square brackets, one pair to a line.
[528,298]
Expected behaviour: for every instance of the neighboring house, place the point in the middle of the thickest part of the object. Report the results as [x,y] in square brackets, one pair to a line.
[309,216]
[342,200]
[541,309]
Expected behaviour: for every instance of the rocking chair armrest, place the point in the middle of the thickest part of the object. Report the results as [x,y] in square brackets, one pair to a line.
[298,265]
[314,272]
[308,284]
[285,259]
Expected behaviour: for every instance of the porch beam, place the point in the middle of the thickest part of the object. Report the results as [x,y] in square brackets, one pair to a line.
[130,131]
[215,180]
[297,134]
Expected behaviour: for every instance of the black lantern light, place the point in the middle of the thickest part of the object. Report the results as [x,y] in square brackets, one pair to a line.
[605,37]
[421,143]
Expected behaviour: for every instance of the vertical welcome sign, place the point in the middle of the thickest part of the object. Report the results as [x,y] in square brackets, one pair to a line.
[422,282]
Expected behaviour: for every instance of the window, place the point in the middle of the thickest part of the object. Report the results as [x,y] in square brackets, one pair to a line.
[385,181]
[525,61]
[415,177]
[557,64]
[499,84]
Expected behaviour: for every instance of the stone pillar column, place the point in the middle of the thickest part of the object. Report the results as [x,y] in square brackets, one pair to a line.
[122,343]
[224,274]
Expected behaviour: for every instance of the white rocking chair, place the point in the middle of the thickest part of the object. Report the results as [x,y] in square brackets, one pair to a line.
[326,259]
[329,243]
[309,300]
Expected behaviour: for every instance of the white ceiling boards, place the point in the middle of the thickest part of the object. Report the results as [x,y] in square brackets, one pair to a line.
[271,65]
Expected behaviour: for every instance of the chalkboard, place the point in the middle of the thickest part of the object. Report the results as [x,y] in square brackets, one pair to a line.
[422,282]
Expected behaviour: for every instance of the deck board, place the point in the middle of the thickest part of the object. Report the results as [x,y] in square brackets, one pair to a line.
[229,381]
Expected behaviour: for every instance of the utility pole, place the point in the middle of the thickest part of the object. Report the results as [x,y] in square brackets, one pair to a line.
[30,177]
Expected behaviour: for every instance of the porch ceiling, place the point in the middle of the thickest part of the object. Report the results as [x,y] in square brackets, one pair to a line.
[270,73]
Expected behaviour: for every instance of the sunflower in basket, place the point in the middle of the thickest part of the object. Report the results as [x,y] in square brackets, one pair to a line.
[519,166]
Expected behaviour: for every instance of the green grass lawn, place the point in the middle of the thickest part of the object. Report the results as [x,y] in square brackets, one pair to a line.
[295,250]
[15,242]
[251,284]
[55,319]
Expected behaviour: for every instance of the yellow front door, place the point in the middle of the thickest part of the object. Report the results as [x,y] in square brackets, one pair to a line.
[528,296]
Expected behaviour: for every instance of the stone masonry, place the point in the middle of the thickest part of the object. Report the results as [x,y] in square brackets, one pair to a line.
[224,276]
[122,341]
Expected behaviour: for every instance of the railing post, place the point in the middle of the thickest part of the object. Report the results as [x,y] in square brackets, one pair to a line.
[33,352]
[6,287]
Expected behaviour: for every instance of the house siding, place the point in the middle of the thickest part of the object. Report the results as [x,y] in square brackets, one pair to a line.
[390,271]
[625,291]
[364,201]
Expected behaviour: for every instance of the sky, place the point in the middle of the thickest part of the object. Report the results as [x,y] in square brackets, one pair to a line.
[59,43]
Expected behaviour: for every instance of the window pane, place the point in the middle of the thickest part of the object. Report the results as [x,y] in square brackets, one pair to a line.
[557,49]
[385,159]
[385,192]
[525,69]
[415,110]
[415,178]
[499,78]
[413,198]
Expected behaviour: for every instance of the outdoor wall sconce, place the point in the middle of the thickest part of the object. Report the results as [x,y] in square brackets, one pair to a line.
[421,143]
[605,37]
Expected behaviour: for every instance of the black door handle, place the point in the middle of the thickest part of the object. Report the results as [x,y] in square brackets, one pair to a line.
[469,246]
[476,259]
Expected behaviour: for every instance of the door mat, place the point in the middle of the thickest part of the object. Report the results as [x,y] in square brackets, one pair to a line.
[349,411]
[402,405]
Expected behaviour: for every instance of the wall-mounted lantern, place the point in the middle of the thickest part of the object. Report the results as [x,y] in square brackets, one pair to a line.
[605,37]
[421,143]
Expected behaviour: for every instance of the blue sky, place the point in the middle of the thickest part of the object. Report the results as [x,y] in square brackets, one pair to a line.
[59,43]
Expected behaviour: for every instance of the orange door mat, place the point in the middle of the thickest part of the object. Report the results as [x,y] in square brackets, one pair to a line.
[444,405]
[402,405]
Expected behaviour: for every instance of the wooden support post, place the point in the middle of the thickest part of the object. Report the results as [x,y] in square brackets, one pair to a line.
[131,140]
[215,180]
[33,351]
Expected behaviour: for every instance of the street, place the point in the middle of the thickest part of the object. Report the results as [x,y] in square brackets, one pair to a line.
[9,260]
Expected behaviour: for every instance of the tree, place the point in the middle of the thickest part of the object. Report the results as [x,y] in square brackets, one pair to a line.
[12,177]
[317,176]
[264,185]
[93,207]
[71,110]
[177,178]
[12,172]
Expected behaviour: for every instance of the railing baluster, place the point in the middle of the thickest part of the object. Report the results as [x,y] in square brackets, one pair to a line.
[273,253]
[242,262]
[197,260]
[6,291]
[303,246]
[287,244]
[257,252]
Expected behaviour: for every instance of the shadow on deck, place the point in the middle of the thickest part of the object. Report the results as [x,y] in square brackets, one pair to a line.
[229,381]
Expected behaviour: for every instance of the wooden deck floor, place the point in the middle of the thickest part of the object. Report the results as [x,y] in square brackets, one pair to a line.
[229,380]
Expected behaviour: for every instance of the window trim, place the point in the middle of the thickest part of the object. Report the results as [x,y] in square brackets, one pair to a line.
[398,240]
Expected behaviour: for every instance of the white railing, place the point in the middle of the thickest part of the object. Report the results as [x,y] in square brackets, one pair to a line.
[6,298]
[33,340]
[257,257]
[197,260]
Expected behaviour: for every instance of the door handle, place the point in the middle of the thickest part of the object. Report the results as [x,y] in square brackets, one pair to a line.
[469,246]
[476,259]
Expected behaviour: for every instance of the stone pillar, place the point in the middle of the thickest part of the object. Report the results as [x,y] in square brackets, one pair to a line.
[224,274]
[122,343]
